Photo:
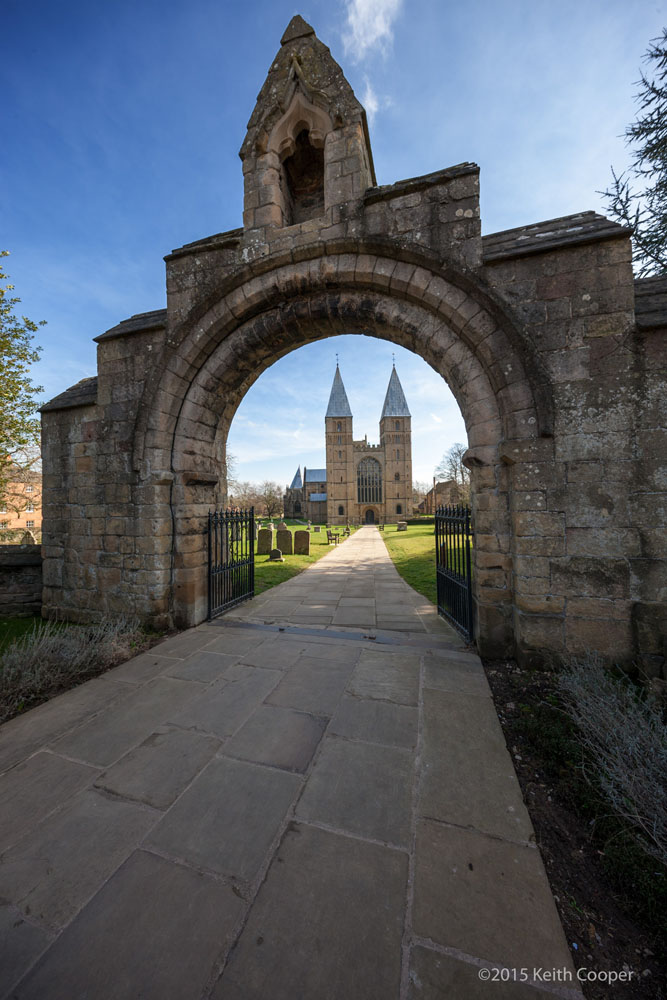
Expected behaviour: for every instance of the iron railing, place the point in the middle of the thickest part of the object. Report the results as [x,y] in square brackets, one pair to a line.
[453,532]
[231,559]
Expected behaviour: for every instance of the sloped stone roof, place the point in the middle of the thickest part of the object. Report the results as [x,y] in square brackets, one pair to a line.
[584,227]
[84,393]
[338,402]
[395,403]
[651,302]
[138,323]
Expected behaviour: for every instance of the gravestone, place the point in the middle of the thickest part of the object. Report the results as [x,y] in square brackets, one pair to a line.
[301,543]
[275,555]
[402,526]
[284,541]
[264,541]
[317,529]
[282,526]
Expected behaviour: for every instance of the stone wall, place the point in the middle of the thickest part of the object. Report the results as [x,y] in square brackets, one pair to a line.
[554,352]
[20,580]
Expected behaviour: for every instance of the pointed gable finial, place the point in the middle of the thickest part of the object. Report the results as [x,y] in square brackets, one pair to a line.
[297,28]
[338,401]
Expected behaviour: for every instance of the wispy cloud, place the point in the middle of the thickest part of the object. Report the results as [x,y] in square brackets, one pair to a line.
[370,25]
[370,100]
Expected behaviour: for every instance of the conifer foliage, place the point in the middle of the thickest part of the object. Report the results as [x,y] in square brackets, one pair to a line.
[638,197]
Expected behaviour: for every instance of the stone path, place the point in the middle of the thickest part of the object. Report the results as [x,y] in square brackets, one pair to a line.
[277,806]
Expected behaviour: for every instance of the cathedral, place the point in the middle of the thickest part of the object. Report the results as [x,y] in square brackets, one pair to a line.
[362,483]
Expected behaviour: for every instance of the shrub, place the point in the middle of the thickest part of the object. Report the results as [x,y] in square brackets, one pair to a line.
[53,657]
[624,739]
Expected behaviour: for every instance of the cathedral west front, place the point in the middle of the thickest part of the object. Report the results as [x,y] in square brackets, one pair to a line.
[362,483]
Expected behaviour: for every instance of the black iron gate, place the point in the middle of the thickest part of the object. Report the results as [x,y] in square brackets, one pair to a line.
[231,559]
[452,555]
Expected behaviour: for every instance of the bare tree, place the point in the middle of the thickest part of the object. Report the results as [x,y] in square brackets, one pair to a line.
[271,496]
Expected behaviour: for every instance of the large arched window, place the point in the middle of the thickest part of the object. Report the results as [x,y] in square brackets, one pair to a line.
[369,481]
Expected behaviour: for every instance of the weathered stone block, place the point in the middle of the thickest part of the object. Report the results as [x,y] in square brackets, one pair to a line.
[265,541]
[284,541]
[301,543]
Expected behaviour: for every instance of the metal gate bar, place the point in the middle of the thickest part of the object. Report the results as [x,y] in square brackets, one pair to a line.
[453,568]
[231,559]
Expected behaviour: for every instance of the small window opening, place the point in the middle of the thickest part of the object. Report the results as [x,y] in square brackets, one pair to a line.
[341,511]
[297,507]
[339,426]
[399,508]
[397,425]
[304,180]
[397,476]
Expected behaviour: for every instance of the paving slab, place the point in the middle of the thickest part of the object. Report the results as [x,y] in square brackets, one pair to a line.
[31,790]
[326,925]
[68,857]
[312,685]
[21,943]
[279,737]
[228,817]
[361,788]
[160,768]
[203,666]
[140,668]
[40,726]
[273,655]
[154,931]
[435,976]
[468,776]
[389,676]
[224,706]
[376,722]
[456,675]
[115,731]
[486,897]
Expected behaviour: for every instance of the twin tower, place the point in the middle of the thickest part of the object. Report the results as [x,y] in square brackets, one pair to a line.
[362,483]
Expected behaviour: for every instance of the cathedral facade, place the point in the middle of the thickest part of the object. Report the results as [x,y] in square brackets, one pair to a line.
[362,483]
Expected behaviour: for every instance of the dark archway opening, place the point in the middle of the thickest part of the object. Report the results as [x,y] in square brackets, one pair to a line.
[370,516]
[304,178]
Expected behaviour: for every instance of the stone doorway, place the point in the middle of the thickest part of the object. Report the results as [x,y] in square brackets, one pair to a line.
[369,517]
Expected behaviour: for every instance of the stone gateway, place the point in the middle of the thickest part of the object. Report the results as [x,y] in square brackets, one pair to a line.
[553,350]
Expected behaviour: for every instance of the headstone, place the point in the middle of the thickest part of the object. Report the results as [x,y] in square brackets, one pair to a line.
[284,541]
[264,541]
[402,526]
[301,543]
[310,524]
[282,526]
[256,529]
[275,555]
[317,528]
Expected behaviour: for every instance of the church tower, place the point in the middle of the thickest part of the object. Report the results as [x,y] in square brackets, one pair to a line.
[396,441]
[340,455]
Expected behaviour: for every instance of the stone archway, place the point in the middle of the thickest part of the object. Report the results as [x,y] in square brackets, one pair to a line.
[369,516]
[533,329]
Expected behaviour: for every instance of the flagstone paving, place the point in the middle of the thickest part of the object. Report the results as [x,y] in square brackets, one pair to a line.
[309,798]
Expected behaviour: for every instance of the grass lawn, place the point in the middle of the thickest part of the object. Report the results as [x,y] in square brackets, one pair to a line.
[268,574]
[413,553]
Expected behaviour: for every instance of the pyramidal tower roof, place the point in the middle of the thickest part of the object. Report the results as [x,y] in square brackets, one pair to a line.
[338,402]
[395,403]
[297,482]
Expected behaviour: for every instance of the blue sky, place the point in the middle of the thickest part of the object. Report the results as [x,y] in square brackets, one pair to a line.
[122,128]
